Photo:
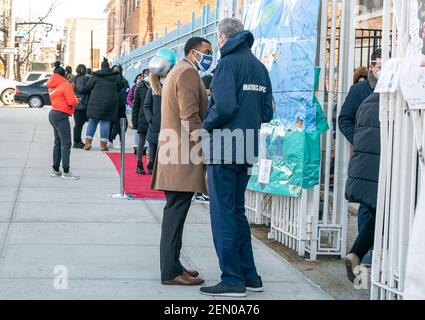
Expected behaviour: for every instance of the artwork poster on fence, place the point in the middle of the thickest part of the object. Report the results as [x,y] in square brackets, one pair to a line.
[286,39]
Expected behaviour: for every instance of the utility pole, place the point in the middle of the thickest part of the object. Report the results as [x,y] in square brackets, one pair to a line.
[12,29]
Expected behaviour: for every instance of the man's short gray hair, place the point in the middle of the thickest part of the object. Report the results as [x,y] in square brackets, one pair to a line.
[229,27]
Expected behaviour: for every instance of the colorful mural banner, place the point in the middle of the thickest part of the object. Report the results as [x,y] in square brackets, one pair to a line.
[286,42]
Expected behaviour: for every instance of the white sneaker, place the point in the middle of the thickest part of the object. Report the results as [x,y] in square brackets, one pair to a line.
[117,147]
[110,145]
[69,176]
[56,174]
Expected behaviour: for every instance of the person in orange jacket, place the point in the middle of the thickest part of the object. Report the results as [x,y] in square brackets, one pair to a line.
[63,102]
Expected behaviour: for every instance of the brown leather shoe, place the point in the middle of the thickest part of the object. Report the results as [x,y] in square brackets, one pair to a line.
[192,273]
[183,280]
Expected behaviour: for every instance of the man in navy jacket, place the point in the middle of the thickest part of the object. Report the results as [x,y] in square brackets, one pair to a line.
[241,101]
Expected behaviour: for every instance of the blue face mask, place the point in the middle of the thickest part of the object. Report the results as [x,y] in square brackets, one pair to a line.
[206,61]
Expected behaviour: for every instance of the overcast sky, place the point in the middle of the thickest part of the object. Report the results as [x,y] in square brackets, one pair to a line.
[32,9]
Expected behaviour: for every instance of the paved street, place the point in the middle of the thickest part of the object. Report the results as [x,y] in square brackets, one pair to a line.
[110,248]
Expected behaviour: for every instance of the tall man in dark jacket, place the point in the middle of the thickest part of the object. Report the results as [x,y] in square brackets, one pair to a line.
[363,177]
[241,101]
[357,95]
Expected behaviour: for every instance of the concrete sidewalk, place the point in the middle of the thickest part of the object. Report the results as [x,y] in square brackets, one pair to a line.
[110,248]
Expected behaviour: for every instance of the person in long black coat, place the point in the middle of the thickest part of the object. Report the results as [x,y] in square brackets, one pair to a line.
[104,87]
[80,114]
[140,123]
[363,177]
[122,107]
[152,108]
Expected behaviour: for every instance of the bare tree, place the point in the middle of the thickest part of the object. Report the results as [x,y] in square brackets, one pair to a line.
[22,59]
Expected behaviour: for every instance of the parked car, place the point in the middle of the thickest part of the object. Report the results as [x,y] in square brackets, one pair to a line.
[7,91]
[36,94]
[34,76]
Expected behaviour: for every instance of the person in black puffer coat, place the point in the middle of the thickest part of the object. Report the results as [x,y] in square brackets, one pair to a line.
[131,97]
[363,177]
[104,87]
[80,114]
[122,107]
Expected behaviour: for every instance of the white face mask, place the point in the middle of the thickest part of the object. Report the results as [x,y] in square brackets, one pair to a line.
[162,81]
[376,74]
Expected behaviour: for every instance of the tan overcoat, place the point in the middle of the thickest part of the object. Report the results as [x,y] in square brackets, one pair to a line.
[184,104]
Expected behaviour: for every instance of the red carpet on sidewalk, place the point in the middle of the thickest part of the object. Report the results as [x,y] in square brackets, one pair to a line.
[137,185]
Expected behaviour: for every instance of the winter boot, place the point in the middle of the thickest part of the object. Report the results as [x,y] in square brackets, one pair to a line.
[151,166]
[104,146]
[88,144]
[140,168]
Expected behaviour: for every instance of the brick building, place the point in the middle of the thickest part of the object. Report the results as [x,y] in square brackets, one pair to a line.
[123,26]
[156,15]
[84,42]
[133,23]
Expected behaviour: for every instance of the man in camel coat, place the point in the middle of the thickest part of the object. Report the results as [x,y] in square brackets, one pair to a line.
[184,104]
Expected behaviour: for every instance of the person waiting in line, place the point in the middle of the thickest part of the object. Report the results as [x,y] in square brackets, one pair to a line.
[115,129]
[89,72]
[63,102]
[140,124]
[160,66]
[80,114]
[357,95]
[242,100]
[68,75]
[184,103]
[360,74]
[363,178]
[104,88]
[131,97]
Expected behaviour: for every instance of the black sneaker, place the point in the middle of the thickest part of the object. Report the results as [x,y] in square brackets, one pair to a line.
[255,285]
[78,145]
[201,198]
[223,290]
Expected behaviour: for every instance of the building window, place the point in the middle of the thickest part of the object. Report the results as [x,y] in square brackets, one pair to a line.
[371,5]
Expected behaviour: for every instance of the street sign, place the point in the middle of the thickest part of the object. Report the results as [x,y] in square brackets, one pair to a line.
[9,50]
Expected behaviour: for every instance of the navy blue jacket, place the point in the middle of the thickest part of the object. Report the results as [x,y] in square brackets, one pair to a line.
[347,118]
[241,101]
[363,171]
